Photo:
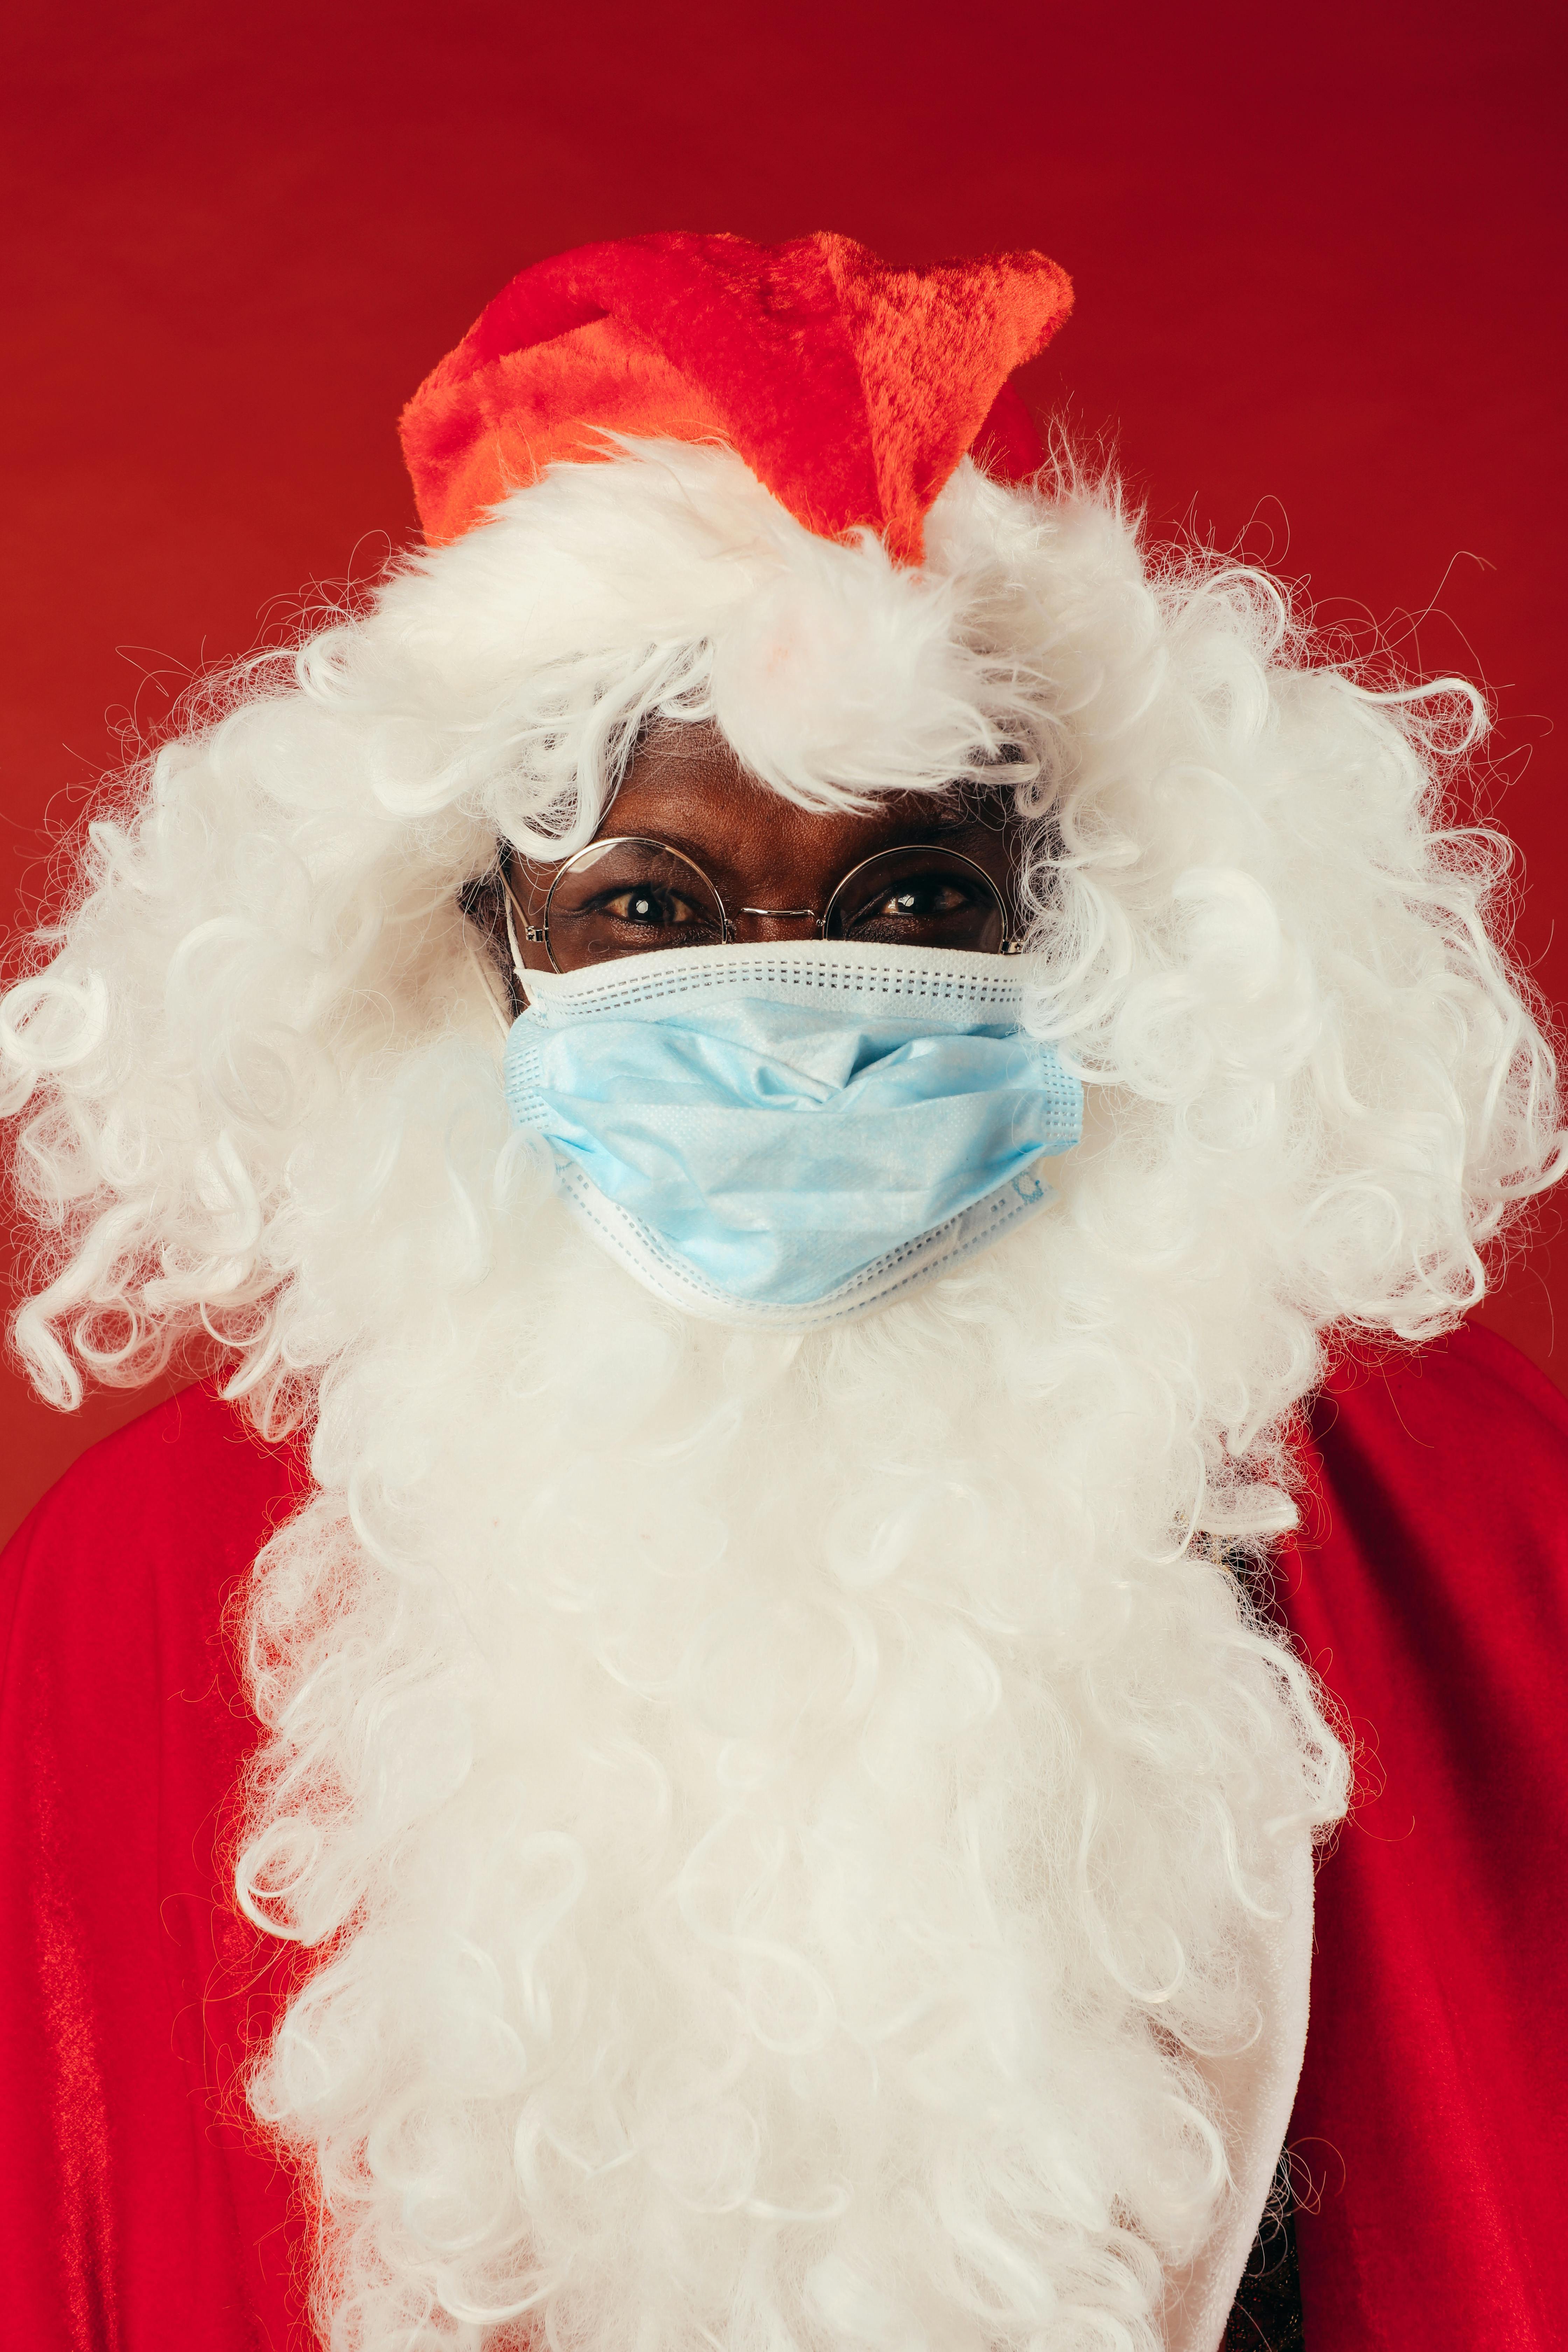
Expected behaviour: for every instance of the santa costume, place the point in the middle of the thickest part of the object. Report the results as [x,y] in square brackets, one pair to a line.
[845,1654]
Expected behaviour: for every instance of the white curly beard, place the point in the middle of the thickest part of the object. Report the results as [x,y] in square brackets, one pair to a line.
[793,1840]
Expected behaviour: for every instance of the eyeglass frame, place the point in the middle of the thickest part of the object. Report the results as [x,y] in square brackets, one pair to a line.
[538,935]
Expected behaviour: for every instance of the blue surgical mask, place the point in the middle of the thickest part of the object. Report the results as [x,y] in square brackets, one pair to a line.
[789,1136]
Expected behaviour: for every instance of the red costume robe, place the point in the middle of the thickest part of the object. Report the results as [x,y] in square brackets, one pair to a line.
[1429,1588]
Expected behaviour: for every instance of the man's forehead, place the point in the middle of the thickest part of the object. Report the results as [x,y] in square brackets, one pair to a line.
[690,779]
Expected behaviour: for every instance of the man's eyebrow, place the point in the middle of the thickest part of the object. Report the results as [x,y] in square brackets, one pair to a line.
[960,815]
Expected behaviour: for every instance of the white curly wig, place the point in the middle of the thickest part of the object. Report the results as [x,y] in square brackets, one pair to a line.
[782,1820]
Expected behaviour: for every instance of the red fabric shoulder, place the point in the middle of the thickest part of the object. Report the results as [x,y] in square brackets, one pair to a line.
[131,2218]
[1429,1590]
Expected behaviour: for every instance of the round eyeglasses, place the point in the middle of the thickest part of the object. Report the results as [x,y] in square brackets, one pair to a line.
[630,895]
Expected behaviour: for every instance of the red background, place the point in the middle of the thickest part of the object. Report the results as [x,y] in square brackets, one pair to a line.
[1319,254]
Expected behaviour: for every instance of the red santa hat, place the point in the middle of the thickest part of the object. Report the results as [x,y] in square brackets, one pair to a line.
[850,388]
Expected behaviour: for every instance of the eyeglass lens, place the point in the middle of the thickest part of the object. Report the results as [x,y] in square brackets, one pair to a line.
[918,897]
[630,896]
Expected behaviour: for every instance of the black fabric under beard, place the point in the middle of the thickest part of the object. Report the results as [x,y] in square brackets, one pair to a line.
[1267,2313]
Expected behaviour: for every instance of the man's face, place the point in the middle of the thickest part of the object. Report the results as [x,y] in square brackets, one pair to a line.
[774,866]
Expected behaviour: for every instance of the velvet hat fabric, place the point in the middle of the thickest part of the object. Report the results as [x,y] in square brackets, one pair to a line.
[850,388]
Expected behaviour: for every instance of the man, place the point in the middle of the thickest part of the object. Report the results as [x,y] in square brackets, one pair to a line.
[771,1076]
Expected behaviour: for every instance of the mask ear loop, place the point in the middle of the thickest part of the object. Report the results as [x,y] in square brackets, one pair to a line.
[487,979]
[485,971]
[519,967]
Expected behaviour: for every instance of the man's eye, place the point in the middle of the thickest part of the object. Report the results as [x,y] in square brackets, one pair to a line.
[918,900]
[640,904]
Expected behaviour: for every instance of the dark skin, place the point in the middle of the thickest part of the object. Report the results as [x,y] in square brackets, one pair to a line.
[684,785]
